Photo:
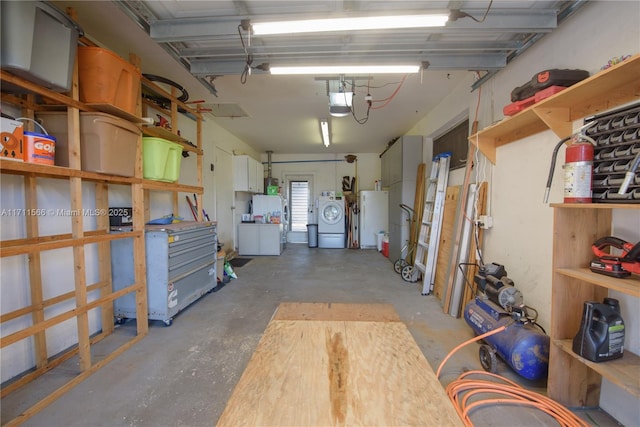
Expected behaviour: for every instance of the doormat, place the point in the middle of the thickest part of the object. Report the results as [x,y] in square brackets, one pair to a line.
[239,262]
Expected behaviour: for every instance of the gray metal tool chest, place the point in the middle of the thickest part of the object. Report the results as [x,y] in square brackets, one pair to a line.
[181,267]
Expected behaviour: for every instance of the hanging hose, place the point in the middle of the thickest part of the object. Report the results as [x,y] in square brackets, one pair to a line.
[510,393]
[184,95]
[554,156]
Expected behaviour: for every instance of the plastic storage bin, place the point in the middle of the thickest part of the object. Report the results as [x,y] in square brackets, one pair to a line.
[107,143]
[161,159]
[39,43]
[105,78]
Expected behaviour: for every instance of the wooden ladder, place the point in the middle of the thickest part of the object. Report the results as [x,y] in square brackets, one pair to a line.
[430,225]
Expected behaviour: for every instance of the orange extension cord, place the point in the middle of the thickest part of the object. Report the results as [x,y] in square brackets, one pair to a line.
[462,389]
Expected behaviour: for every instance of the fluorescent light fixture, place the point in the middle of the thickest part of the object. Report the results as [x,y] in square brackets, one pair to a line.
[347,69]
[324,128]
[349,24]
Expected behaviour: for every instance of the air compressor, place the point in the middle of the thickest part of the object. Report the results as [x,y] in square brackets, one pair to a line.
[523,345]
[578,168]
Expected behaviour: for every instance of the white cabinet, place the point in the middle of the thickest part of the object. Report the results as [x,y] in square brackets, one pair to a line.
[248,174]
[260,239]
[401,162]
[259,178]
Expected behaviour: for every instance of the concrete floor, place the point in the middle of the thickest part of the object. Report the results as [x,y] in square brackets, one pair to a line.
[182,375]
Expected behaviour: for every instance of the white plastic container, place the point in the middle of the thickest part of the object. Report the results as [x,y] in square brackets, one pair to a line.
[107,143]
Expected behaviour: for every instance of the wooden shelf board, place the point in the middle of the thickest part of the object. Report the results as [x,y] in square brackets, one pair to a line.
[169,186]
[629,285]
[60,172]
[623,372]
[602,91]
[619,83]
[152,88]
[113,110]
[45,243]
[161,132]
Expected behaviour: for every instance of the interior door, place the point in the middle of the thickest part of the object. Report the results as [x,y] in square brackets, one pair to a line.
[301,206]
[223,175]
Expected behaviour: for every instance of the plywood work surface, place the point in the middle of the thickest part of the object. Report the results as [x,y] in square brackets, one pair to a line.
[337,373]
[333,311]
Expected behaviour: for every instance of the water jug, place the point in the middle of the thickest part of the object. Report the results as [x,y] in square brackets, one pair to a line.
[601,333]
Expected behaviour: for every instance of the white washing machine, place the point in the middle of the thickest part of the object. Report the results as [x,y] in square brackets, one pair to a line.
[331,222]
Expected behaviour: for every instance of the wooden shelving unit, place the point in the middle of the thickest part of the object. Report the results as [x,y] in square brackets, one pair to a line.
[172,135]
[574,381]
[602,91]
[38,310]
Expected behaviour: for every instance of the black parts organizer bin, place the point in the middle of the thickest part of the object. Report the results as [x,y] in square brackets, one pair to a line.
[617,136]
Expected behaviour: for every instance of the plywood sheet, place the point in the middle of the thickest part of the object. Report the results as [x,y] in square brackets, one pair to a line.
[333,311]
[337,373]
[446,239]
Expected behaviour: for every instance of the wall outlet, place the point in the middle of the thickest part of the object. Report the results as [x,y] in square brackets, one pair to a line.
[485,221]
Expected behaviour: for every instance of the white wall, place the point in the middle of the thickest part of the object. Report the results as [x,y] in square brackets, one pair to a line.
[328,168]
[522,235]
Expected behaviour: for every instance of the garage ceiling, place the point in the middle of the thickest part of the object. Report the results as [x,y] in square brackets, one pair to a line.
[212,40]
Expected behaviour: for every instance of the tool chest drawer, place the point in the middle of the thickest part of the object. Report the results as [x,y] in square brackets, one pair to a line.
[188,249]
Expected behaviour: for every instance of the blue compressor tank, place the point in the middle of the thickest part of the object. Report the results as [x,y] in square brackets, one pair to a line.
[521,345]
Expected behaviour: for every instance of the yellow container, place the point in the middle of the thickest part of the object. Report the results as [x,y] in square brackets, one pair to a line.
[161,159]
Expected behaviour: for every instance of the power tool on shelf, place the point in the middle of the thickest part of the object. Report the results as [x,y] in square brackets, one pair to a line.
[615,266]
[523,345]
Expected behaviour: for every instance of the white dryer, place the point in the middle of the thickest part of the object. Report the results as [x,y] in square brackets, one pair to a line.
[331,222]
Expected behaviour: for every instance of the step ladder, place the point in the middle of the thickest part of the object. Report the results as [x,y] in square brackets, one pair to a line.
[431,225]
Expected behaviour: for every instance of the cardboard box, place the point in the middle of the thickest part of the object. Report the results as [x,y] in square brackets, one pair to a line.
[12,140]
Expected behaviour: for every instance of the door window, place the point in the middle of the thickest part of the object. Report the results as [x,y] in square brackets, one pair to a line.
[299,191]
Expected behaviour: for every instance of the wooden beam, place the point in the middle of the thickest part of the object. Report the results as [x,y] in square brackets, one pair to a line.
[35,274]
[104,256]
[27,332]
[50,398]
[48,303]
[451,201]
[61,241]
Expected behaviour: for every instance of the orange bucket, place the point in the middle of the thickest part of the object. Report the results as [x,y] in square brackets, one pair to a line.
[39,148]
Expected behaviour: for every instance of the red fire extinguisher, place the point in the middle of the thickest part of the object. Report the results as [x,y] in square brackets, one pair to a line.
[578,169]
[578,172]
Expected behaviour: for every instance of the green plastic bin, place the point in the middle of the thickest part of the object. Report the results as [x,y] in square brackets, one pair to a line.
[161,159]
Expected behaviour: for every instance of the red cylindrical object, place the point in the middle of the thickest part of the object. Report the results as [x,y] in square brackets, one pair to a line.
[578,173]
